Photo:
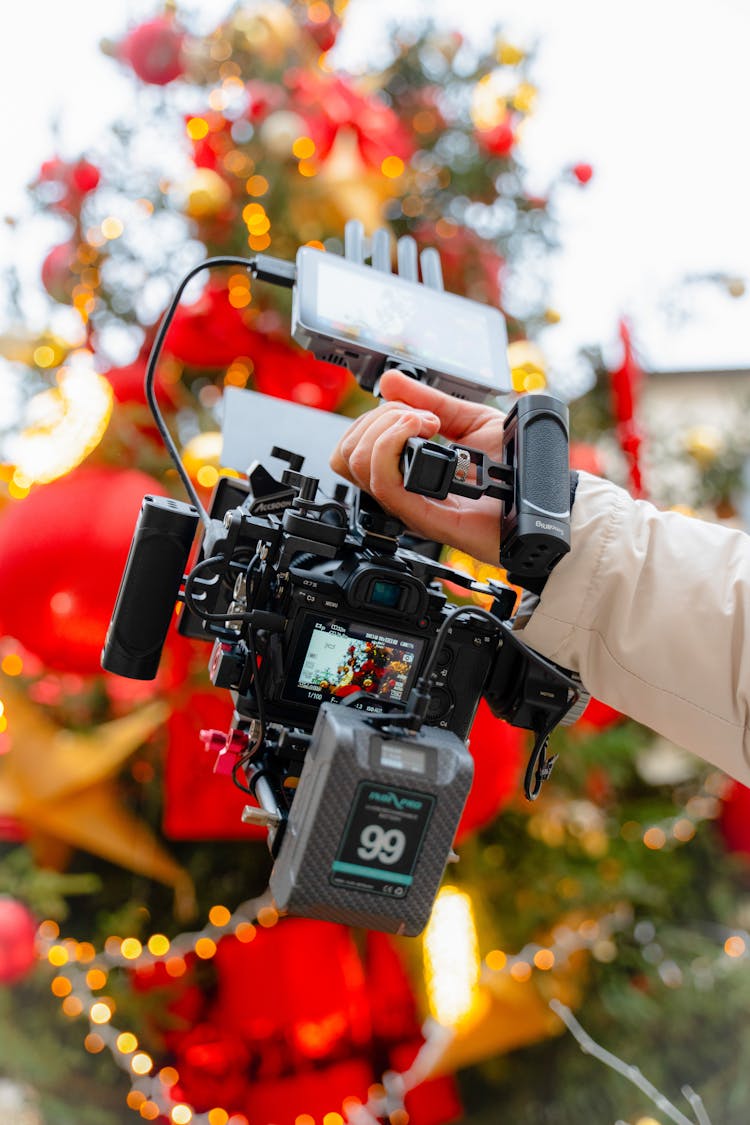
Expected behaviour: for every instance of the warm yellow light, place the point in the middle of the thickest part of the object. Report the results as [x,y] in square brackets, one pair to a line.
[251,211]
[734,946]
[524,99]
[168,1076]
[508,54]
[333,1119]
[158,944]
[307,168]
[544,959]
[654,838]
[58,955]
[268,916]
[240,298]
[257,185]
[182,1114]
[12,665]
[219,916]
[451,957]
[318,11]
[95,979]
[141,1063]
[683,830]
[258,224]
[135,1099]
[112,227]
[94,1043]
[85,952]
[303,148]
[131,949]
[100,1012]
[496,960]
[72,1006]
[218,1116]
[304,1119]
[126,1043]
[521,971]
[207,476]
[528,366]
[197,128]
[44,356]
[175,967]
[488,102]
[150,1111]
[392,167]
[244,932]
[259,242]
[205,948]
[69,422]
[61,987]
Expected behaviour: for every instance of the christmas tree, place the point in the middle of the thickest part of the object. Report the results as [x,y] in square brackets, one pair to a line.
[144,973]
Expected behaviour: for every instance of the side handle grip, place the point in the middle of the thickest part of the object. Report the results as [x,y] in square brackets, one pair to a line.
[149,587]
[535,529]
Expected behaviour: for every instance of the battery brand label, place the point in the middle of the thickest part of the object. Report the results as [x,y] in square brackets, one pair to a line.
[382,840]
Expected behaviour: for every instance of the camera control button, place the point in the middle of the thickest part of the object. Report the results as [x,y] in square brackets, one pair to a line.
[441,704]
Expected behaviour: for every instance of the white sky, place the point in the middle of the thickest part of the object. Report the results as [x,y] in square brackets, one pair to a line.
[654,94]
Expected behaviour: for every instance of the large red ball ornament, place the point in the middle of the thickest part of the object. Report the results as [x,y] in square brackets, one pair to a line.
[499,140]
[497,750]
[734,819]
[62,553]
[17,938]
[57,272]
[210,332]
[154,51]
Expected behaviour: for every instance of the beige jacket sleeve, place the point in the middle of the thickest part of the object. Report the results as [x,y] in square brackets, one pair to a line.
[652,609]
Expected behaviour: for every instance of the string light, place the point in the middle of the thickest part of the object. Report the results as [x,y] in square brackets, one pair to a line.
[451,957]
[70,421]
[149,1094]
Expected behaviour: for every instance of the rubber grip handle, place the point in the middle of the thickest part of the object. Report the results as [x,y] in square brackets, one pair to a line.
[149,587]
[535,530]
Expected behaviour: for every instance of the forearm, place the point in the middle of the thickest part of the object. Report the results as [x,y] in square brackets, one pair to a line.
[652,609]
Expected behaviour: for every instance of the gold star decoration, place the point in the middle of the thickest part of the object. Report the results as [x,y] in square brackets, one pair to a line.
[61,785]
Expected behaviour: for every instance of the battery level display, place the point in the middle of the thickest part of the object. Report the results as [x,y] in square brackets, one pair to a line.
[394,756]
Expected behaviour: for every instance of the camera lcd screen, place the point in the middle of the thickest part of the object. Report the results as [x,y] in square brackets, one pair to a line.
[388,314]
[340,658]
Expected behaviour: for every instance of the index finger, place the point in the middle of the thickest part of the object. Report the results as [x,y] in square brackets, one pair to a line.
[457,417]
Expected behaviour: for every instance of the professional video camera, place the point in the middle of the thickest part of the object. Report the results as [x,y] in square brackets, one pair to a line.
[355,683]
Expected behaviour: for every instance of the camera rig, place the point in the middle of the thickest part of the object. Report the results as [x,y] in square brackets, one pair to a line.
[354,681]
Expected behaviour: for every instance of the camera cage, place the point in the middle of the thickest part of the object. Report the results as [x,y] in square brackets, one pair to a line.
[285,580]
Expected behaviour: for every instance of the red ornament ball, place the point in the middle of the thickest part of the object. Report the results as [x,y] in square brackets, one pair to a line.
[57,272]
[85,177]
[62,553]
[498,140]
[497,750]
[17,940]
[582,172]
[734,819]
[154,51]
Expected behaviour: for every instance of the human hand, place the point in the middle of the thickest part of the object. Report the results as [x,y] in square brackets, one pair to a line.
[369,456]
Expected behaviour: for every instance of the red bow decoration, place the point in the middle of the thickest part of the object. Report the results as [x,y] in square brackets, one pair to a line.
[625,384]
